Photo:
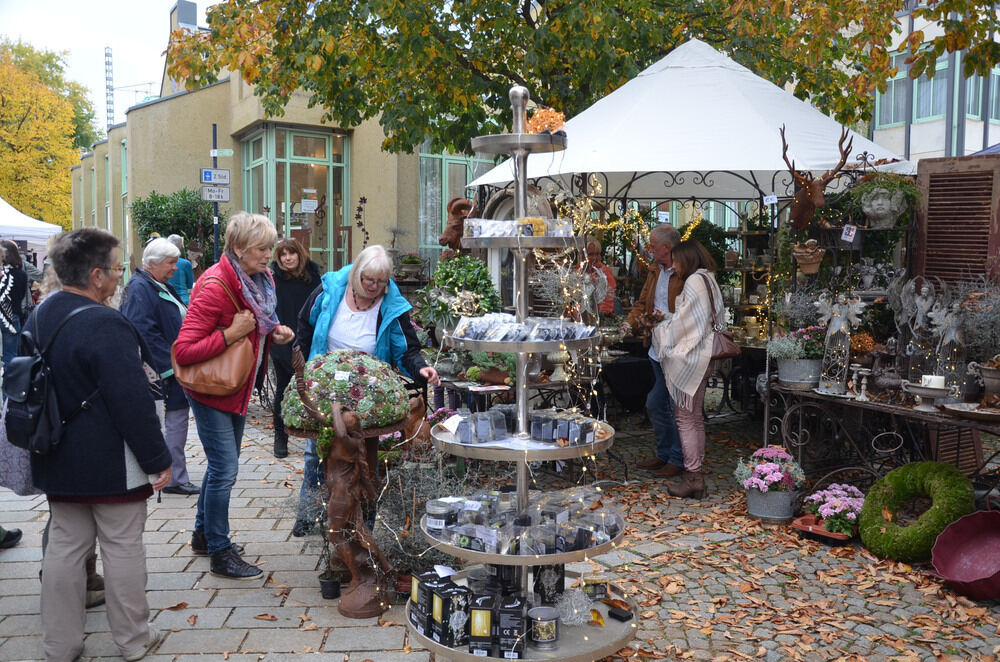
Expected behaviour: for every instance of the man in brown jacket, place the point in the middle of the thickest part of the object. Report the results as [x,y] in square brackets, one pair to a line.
[655,303]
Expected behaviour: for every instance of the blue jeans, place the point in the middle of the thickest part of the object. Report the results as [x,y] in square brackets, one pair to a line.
[660,408]
[221,434]
[313,483]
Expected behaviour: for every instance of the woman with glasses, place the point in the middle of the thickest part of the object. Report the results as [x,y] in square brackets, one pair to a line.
[357,307]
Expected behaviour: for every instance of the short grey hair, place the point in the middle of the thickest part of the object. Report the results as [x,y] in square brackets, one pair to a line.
[373,262]
[177,241]
[158,250]
[665,234]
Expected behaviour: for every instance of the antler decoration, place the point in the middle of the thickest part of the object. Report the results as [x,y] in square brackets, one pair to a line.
[308,402]
[809,191]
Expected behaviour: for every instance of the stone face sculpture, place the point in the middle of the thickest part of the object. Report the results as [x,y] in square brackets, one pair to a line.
[349,480]
[882,207]
[458,210]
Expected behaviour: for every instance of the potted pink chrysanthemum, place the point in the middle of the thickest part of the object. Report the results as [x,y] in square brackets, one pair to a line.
[771,480]
[832,513]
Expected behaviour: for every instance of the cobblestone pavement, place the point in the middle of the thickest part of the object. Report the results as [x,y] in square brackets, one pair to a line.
[711,583]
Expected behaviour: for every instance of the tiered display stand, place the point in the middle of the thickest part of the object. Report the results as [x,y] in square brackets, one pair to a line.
[576,643]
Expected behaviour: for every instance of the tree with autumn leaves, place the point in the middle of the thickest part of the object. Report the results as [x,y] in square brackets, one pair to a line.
[36,146]
[441,69]
[42,118]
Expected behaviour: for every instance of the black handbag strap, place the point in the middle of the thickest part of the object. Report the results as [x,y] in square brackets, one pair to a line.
[44,352]
[711,301]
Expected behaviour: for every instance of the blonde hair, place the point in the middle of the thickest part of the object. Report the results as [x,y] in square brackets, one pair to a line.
[373,262]
[246,230]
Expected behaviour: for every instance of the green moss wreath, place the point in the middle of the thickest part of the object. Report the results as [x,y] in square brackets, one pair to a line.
[951,495]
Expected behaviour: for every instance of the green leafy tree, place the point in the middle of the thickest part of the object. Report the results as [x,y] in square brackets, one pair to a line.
[51,70]
[443,69]
[36,145]
[182,212]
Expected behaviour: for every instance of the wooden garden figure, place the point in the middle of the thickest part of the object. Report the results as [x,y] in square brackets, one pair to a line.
[349,482]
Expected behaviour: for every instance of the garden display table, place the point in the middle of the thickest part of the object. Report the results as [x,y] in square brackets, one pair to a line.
[838,435]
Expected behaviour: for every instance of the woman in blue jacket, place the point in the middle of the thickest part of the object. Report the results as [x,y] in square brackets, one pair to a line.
[357,307]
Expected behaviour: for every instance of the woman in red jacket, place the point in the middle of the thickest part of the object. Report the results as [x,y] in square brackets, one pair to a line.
[212,324]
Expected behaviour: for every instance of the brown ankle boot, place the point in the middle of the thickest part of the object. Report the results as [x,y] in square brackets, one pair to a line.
[691,486]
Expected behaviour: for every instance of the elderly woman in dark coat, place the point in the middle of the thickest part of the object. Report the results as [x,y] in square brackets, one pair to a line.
[155,309]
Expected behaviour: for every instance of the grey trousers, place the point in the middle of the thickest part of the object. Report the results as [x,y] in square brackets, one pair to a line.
[72,530]
[174,423]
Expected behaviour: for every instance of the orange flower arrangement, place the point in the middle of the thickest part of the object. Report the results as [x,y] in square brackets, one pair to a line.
[862,342]
[545,119]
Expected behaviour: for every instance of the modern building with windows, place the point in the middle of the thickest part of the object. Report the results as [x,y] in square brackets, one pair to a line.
[309,177]
[946,115]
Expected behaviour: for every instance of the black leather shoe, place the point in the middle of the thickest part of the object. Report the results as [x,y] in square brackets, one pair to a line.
[10,538]
[301,528]
[228,564]
[280,446]
[200,546]
[186,489]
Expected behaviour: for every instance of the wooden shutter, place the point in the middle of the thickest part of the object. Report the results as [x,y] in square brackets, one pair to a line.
[958,216]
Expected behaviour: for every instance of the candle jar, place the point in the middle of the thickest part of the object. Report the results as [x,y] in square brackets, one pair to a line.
[544,624]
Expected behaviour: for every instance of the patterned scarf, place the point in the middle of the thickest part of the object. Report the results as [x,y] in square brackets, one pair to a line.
[258,292]
[7,300]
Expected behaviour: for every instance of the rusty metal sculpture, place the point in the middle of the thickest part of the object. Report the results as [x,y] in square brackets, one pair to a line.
[458,210]
[809,190]
[349,482]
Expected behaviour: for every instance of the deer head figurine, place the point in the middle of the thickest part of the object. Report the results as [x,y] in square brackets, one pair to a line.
[809,190]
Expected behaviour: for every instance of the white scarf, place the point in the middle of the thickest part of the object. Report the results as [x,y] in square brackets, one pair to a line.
[684,341]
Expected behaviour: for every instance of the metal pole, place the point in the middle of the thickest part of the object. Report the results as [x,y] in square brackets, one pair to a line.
[215,205]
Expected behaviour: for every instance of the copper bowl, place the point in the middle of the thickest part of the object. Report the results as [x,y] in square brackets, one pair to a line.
[965,555]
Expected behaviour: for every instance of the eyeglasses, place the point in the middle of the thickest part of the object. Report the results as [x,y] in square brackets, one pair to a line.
[120,268]
[381,282]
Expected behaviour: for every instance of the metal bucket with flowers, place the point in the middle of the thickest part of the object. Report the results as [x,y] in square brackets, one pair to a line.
[772,480]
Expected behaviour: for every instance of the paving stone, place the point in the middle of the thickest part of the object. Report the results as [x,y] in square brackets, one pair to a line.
[364,639]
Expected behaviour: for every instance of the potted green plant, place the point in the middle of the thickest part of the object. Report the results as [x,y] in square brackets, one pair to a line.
[772,480]
[799,355]
[411,265]
[460,286]
[494,367]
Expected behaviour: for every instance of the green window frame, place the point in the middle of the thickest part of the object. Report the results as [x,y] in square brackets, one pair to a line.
[441,178]
[276,160]
[994,82]
[126,229]
[93,196]
[107,192]
[931,95]
[890,106]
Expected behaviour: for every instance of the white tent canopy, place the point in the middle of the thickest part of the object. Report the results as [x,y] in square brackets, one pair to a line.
[15,225]
[696,112]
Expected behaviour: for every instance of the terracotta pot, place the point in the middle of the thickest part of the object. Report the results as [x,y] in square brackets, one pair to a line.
[493,376]
[812,526]
[809,261]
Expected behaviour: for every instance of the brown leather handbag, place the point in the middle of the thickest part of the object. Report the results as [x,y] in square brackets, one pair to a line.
[723,345]
[223,374]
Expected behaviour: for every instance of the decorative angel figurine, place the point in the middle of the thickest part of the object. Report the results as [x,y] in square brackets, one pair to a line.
[839,318]
[916,300]
[947,322]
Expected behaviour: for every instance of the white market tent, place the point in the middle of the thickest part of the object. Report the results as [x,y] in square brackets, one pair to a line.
[17,226]
[696,124]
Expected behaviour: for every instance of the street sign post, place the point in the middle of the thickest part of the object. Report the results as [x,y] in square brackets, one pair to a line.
[219,176]
[215,193]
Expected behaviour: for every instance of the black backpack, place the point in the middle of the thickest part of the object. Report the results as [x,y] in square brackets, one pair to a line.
[33,421]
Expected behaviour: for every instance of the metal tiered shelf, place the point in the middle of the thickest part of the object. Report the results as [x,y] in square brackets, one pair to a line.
[582,643]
